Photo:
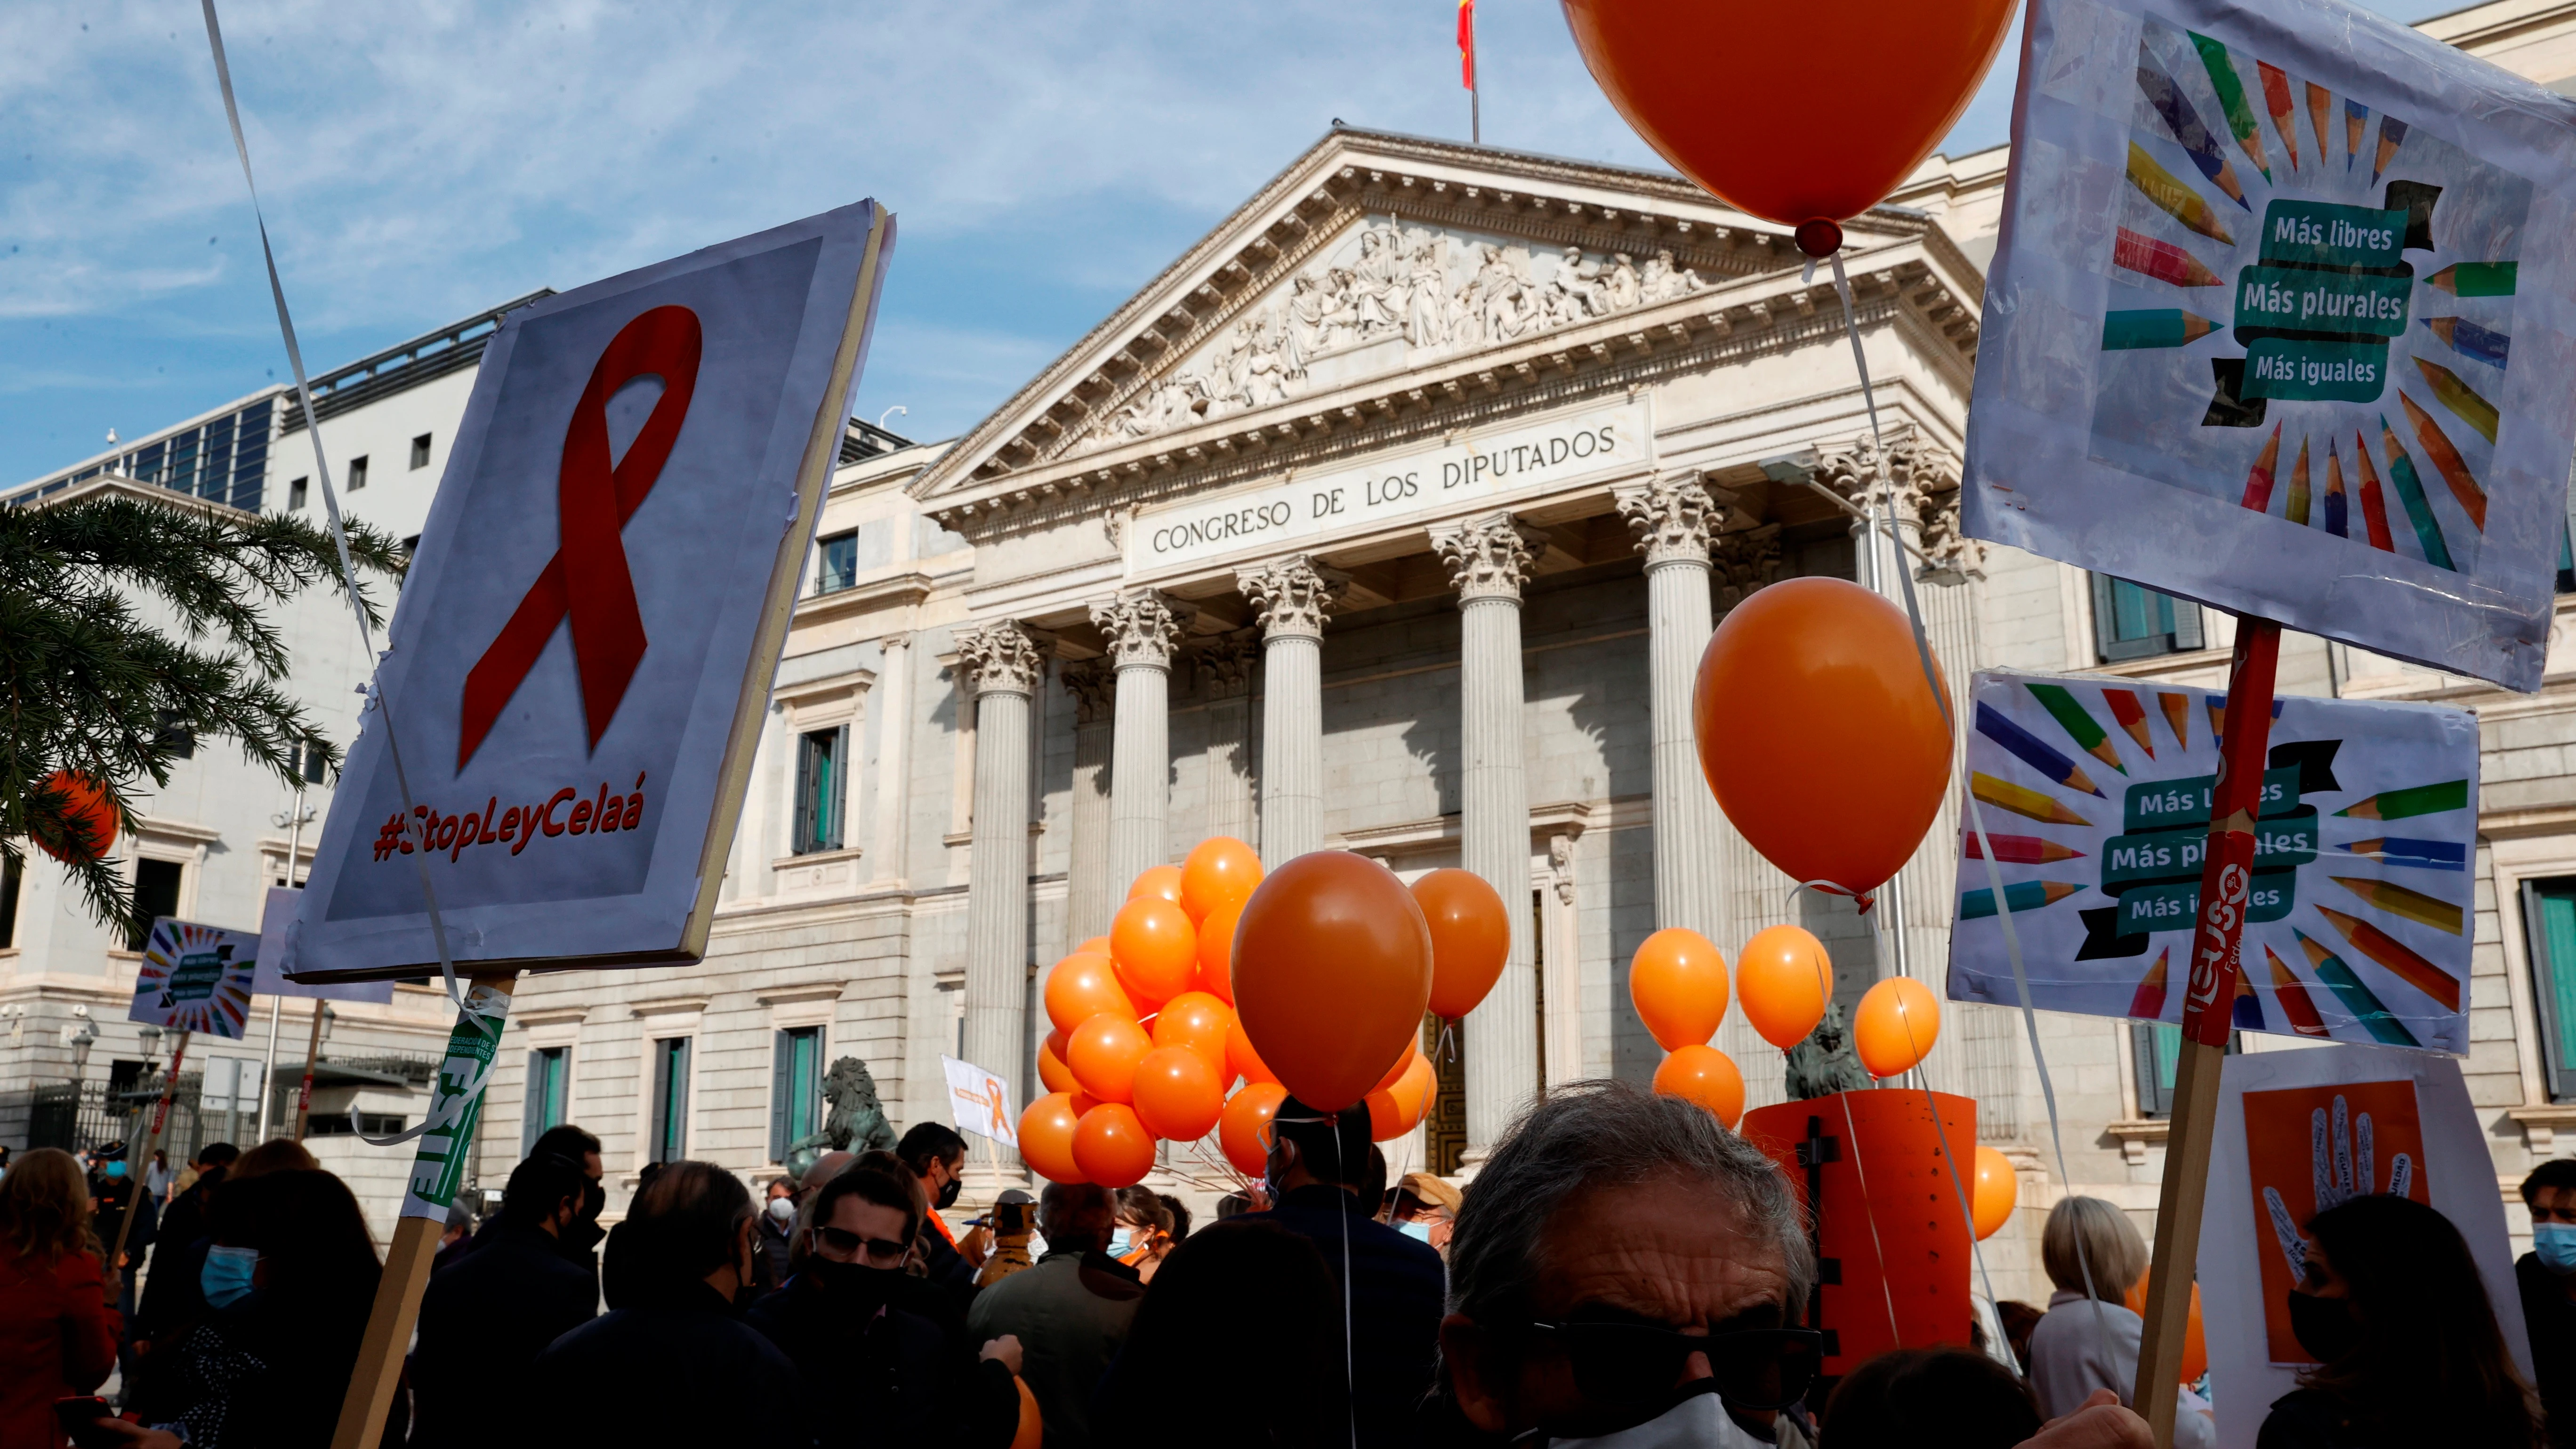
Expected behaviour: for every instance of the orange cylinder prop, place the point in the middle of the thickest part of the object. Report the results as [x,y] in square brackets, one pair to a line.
[1156,950]
[1046,1137]
[88,810]
[1702,1074]
[1783,978]
[1677,980]
[1896,1025]
[1220,872]
[1471,937]
[1178,1095]
[1216,953]
[1332,971]
[1243,1128]
[1993,1192]
[1112,1147]
[1103,1053]
[1082,986]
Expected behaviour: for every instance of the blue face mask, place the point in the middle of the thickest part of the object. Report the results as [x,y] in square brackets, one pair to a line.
[114,1169]
[226,1278]
[2556,1245]
[1119,1243]
[1416,1229]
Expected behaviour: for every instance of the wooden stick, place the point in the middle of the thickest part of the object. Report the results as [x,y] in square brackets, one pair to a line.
[312,1052]
[2209,1003]
[160,1115]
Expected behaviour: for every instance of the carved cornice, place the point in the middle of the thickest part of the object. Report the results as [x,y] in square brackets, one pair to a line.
[1292,596]
[1919,480]
[1673,518]
[1142,627]
[1742,562]
[1002,657]
[1094,687]
[1227,665]
[1489,557]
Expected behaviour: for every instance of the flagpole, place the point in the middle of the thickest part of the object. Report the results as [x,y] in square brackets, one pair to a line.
[1475,86]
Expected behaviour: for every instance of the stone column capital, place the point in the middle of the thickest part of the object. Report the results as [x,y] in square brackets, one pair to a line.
[1674,519]
[895,639]
[1489,557]
[1002,657]
[1142,626]
[1094,687]
[1292,595]
[1228,662]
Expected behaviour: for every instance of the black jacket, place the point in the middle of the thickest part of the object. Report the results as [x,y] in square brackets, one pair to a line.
[2550,1319]
[259,1375]
[674,1365]
[896,1377]
[1396,1291]
[483,1321]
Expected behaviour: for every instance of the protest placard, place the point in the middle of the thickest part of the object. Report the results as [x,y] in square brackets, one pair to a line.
[195,978]
[980,1102]
[277,917]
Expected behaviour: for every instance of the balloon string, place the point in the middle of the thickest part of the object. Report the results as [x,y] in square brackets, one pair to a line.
[1869,1215]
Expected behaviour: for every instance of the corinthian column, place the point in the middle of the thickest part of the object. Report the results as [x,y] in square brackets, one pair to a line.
[1225,673]
[1089,898]
[1488,561]
[1292,596]
[1005,664]
[1673,519]
[1142,627]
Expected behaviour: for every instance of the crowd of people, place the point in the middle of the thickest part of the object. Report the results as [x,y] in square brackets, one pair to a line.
[1623,1271]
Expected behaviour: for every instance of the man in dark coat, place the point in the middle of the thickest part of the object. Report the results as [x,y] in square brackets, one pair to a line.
[1070,1313]
[487,1315]
[2547,1277]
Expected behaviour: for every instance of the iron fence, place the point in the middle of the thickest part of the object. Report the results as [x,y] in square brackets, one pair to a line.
[79,1116]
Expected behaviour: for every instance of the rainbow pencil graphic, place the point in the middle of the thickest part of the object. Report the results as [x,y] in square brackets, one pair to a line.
[2218,718]
[2392,134]
[2374,506]
[2296,509]
[2161,260]
[2338,505]
[2132,717]
[2398,901]
[2410,492]
[2276,99]
[2292,993]
[2172,197]
[2177,708]
[2447,462]
[2071,715]
[2358,999]
[2410,802]
[2404,850]
[2248,1012]
[2258,483]
[2354,113]
[2028,895]
[2153,327]
[2231,99]
[2032,750]
[2471,340]
[2475,279]
[2184,122]
[2399,959]
[2456,395]
[2021,800]
[2020,850]
[2320,101]
[2149,1002]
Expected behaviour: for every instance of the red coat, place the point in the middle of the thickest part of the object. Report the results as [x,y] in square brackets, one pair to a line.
[57,1337]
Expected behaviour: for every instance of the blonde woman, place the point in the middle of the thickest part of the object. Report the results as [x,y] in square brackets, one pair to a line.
[57,1334]
[2081,1346]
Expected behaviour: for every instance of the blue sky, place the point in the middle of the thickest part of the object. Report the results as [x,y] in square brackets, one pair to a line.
[423,162]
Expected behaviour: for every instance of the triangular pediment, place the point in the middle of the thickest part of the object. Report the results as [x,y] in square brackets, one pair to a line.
[1371,255]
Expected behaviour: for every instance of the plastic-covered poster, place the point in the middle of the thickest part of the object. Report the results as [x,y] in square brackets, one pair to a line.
[195,978]
[2280,321]
[2308,1149]
[2095,793]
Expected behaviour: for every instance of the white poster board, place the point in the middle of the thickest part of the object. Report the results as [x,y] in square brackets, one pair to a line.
[277,917]
[195,978]
[585,643]
[980,1101]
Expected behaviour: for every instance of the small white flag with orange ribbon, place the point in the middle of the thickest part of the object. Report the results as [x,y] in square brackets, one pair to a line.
[980,1101]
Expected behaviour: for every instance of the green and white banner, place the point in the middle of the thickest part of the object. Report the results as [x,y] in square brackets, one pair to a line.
[446,1135]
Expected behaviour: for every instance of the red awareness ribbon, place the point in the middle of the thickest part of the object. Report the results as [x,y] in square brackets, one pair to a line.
[587,580]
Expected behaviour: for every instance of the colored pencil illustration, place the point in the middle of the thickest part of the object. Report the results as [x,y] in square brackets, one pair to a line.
[2471,340]
[2231,100]
[2374,504]
[2132,717]
[2217,718]
[2276,99]
[2409,802]
[2170,196]
[2354,113]
[2292,993]
[2028,895]
[2153,327]
[2320,101]
[2296,509]
[2399,958]
[2410,492]
[2456,395]
[2475,279]
[2392,134]
[2021,850]
[2177,708]
[2071,715]
[2402,850]
[2447,462]
[2397,900]
[2148,1003]
[2338,504]
[2258,481]
[2248,1012]
[2031,750]
[2161,260]
[2365,1006]
[2022,800]
[2184,122]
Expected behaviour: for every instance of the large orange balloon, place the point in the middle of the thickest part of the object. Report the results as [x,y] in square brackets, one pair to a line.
[1032,1431]
[1220,872]
[1216,952]
[1082,986]
[1992,1193]
[90,813]
[1766,141]
[1471,937]
[1783,978]
[1896,1025]
[1112,1147]
[1051,1068]
[1332,971]
[1195,1020]
[1394,1109]
[1160,881]
[1243,1128]
[1704,1075]
[1403,1064]
[2195,1348]
[1817,732]
[1103,1053]
[1156,948]
[1240,1059]
[1046,1137]
[1178,1094]
[1678,982]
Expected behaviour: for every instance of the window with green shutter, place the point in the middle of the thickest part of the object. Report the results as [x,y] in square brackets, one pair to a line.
[549,1083]
[2549,924]
[670,1139]
[795,1088]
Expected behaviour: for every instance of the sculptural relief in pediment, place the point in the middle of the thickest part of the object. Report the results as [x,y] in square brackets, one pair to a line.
[1387,298]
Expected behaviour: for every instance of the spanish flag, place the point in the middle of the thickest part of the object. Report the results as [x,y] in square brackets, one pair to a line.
[1467,43]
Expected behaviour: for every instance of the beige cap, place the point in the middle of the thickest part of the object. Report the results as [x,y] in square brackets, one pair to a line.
[1432,1191]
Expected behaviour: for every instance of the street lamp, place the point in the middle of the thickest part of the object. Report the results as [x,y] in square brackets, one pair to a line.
[151,1046]
[80,1039]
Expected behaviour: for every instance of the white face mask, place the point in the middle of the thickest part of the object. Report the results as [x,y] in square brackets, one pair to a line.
[782,1209]
[1697,1421]
[1415,1228]
[1119,1242]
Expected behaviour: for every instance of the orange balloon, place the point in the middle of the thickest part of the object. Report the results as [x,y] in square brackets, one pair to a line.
[1160,881]
[1816,730]
[1240,1058]
[1220,872]
[1678,981]
[1896,1025]
[1706,1076]
[1051,1068]
[1046,1137]
[1904,70]
[2195,1348]
[1098,944]
[1112,1147]
[1243,1128]
[1216,952]
[1082,986]
[1332,971]
[1103,1053]
[1178,1095]
[1403,1064]
[1471,938]
[1783,978]
[89,812]
[1032,1431]
[1195,1020]
[1393,1110]
[1992,1192]
[1156,948]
